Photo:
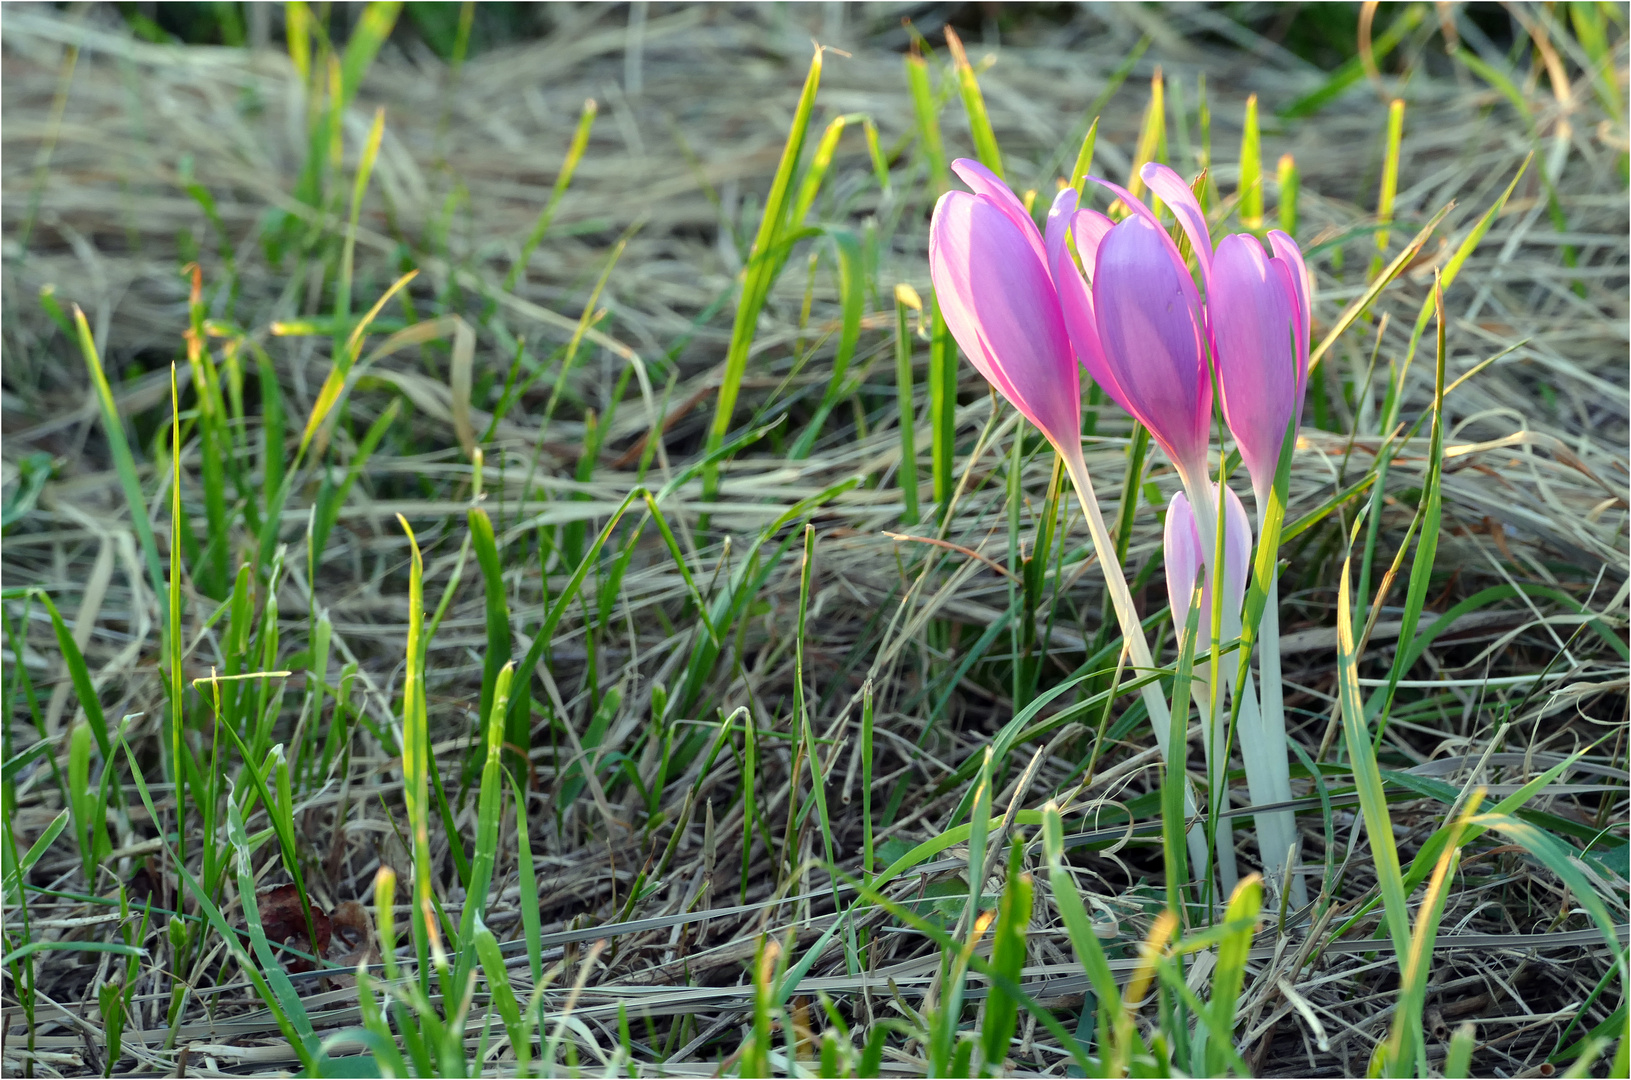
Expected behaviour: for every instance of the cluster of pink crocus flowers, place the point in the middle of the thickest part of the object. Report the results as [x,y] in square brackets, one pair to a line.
[1031,307]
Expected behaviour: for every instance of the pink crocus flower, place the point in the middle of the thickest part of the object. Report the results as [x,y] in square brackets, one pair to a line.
[1258,315]
[991,277]
[1138,325]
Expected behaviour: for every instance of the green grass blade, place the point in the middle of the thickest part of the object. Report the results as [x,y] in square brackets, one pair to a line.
[1250,190]
[906,297]
[1367,776]
[979,122]
[415,763]
[926,115]
[123,462]
[367,36]
[489,806]
[563,180]
[1008,961]
[760,272]
[1289,181]
[296,1027]
[1421,567]
[852,290]
[1390,181]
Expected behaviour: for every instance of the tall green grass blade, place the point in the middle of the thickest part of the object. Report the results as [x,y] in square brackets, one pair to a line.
[852,290]
[906,298]
[1421,567]
[1390,181]
[1250,190]
[979,123]
[563,180]
[942,409]
[763,263]
[124,464]
[367,36]
[926,114]
[1008,961]
[1368,778]
[415,763]
[497,608]
[489,807]
[1290,186]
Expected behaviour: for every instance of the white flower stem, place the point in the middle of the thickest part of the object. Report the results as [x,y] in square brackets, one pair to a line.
[1203,503]
[1272,724]
[1132,631]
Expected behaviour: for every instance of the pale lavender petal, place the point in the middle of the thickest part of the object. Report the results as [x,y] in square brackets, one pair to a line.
[1089,228]
[1286,248]
[1185,551]
[1181,551]
[1076,303]
[1252,322]
[1237,549]
[1302,282]
[1134,203]
[1059,219]
[1177,195]
[1149,322]
[989,185]
[998,300]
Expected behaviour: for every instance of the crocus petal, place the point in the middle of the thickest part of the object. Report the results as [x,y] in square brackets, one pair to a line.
[1076,304]
[1148,316]
[989,185]
[1286,248]
[1185,551]
[1059,220]
[998,300]
[1237,550]
[1286,251]
[1177,195]
[1089,228]
[1252,308]
[1134,203]
[1181,548]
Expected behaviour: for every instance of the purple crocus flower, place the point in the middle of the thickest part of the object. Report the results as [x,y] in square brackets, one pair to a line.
[990,273]
[1138,326]
[1257,309]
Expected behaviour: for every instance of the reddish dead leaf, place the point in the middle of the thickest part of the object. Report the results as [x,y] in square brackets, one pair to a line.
[285,923]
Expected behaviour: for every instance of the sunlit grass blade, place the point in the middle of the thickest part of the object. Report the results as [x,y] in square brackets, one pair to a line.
[1250,189]
[1367,777]
[123,462]
[1390,181]
[926,114]
[979,123]
[906,298]
[763,264]
[563,180]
